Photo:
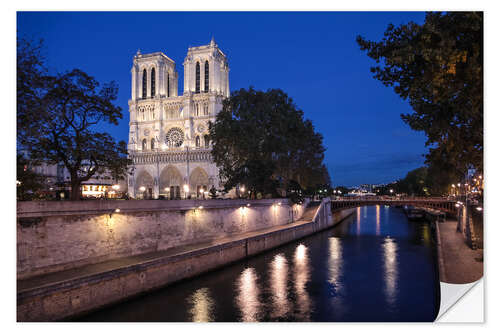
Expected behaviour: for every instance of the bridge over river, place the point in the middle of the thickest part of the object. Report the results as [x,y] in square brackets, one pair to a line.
[442,204]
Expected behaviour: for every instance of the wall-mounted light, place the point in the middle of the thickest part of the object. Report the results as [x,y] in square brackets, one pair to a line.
[479,208]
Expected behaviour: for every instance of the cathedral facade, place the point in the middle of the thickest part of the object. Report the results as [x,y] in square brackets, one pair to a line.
[168,135]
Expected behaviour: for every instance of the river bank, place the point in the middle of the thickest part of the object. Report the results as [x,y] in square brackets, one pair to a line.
[75,291]
[458,263]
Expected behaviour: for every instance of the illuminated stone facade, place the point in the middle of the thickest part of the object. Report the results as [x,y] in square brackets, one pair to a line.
[168,136]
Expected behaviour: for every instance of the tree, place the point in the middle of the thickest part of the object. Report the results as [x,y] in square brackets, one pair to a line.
[415,183]
[27,181]
[64,130]
[260,139]
[31,87]
[438,67]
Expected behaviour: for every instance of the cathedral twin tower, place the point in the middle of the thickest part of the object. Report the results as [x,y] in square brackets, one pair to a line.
[168,135]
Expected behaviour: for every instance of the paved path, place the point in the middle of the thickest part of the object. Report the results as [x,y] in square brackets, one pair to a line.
[458,262]
[110,265]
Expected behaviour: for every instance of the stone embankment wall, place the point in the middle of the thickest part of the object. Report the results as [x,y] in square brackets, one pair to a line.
[71,297]
[54,236]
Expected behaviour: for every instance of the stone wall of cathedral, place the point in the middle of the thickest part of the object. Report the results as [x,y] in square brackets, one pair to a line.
[168,136]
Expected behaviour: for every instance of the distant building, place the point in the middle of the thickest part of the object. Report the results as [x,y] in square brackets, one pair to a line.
[57,182]
[168,135]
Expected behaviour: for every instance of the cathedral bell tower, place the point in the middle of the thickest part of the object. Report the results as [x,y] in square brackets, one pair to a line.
[206,70]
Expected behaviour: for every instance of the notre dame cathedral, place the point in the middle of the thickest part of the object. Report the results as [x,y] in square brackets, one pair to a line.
[168,136]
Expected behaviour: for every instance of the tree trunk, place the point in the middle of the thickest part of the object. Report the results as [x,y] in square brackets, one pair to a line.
[75,190]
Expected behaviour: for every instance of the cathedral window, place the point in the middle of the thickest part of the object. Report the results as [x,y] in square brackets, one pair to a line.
[152,144]
[153,81]
[197,141]
[207,141]
[205,109]
[168,85]
[144,83]
[206,76]
[197,89]
[174,137]
[144,144]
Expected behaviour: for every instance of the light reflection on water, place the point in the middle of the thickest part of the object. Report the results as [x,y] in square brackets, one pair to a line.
[335,266]
[279,286]
[202,306]
[248,295]
[301,273]
[378,220]
[391,269]
[348,273]
[358,221]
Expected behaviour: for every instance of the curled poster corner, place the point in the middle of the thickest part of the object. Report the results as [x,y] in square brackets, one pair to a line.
[461,303]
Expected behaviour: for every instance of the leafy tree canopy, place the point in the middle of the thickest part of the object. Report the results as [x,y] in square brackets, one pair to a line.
[58,117]
[438,68]
[261,140]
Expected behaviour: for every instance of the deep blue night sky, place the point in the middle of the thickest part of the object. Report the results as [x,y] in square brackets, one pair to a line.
[312,56]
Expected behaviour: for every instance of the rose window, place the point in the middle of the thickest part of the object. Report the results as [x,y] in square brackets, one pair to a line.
[174,137]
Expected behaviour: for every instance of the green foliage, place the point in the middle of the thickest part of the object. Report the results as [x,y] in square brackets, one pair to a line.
[438,68]
[261,140]
[63,113]
[415,183]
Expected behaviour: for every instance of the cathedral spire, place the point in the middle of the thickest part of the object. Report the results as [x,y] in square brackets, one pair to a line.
[212,42]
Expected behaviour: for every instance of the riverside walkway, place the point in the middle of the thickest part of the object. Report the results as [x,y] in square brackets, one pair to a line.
[458,263]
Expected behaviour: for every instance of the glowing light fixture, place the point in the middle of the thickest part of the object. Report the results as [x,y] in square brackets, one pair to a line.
[142,189]
[479,208]
[116,187]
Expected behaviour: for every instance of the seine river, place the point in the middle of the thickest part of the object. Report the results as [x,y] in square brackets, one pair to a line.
[374,266]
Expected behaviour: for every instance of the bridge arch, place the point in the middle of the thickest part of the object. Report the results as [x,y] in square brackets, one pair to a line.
[444,205]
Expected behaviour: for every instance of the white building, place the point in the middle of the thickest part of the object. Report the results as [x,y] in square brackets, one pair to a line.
[168,136]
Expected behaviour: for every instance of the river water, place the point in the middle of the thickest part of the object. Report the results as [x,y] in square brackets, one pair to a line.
[374,266]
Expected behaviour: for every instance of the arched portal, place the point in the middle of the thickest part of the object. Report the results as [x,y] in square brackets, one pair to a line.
[171,182]
[198,180]
[144,185]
